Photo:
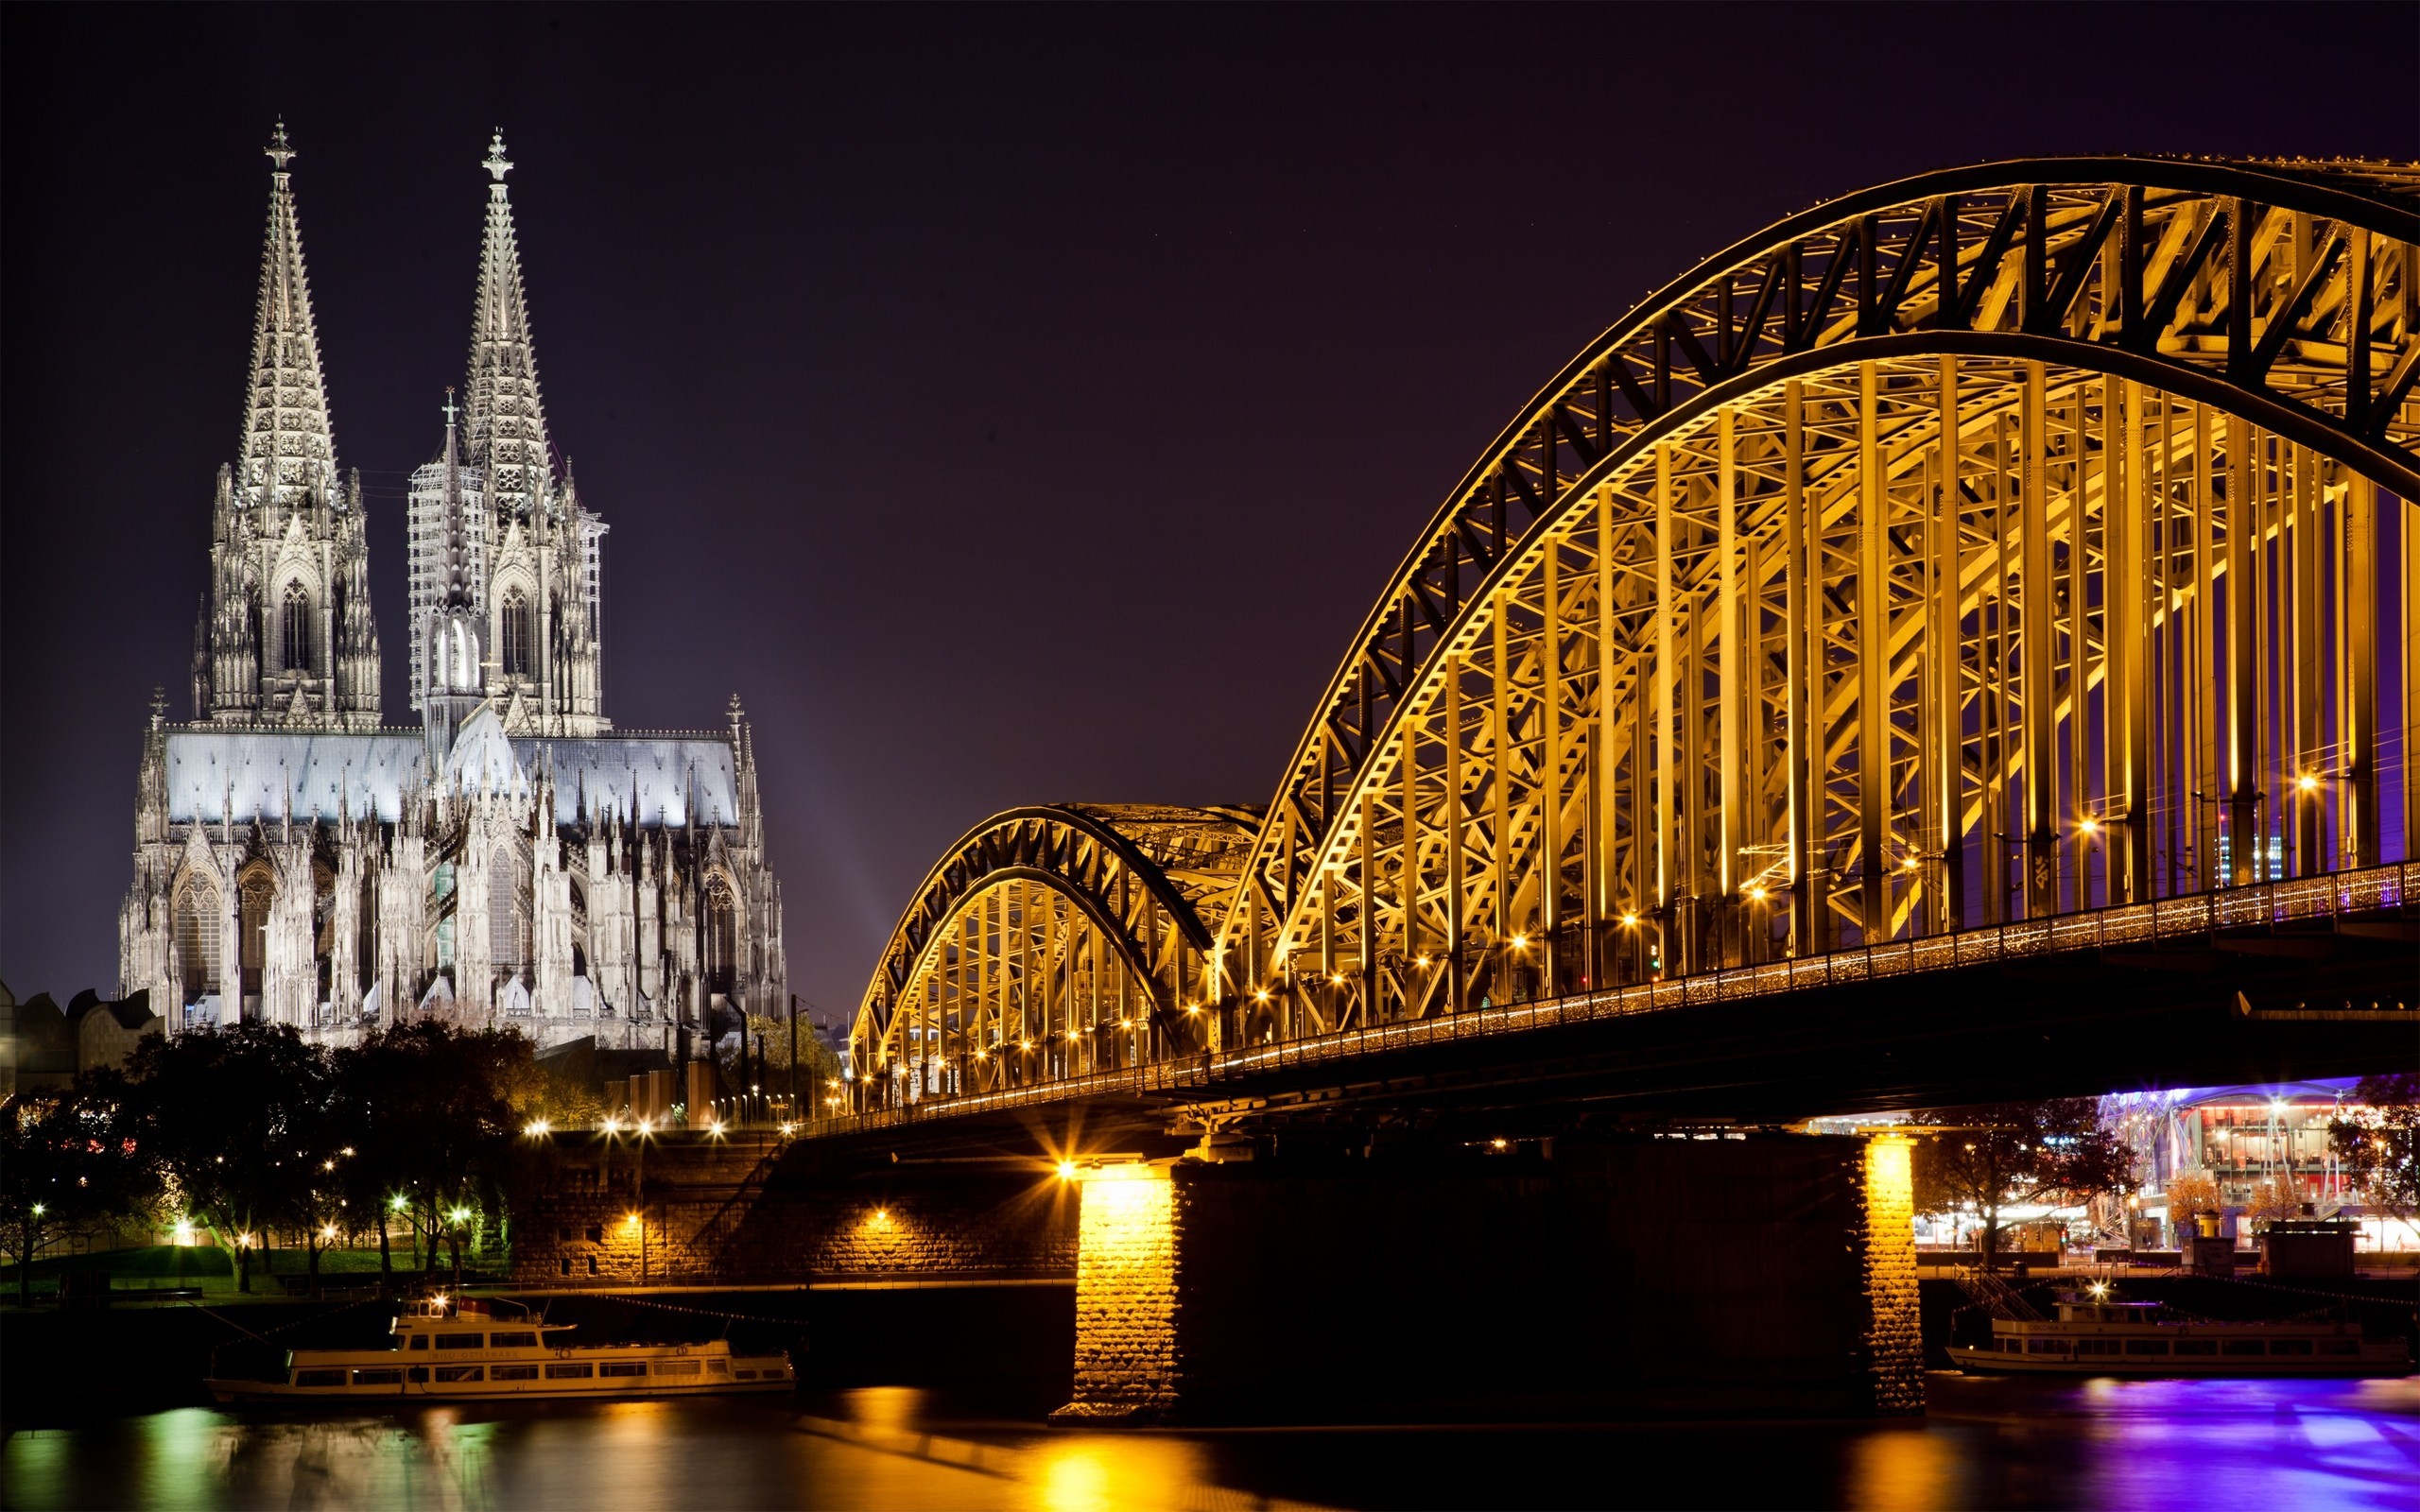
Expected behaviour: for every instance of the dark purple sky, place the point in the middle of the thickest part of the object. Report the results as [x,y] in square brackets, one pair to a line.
[1010,404]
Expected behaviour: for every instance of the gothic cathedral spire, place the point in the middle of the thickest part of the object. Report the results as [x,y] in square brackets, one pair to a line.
[287,451]
[287,638]
[507,429]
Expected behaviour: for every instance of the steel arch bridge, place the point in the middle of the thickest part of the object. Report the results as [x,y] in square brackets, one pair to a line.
[2017,542]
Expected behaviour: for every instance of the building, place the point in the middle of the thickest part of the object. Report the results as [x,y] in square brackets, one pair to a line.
[511,858]
[2251,1142]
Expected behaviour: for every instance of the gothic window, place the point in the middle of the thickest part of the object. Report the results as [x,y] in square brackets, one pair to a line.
[507,912]
[294,641]
[257,895]
[513,630]
[197,938]
[722,938]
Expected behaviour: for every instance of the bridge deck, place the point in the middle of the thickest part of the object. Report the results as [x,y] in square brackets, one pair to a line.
[1206,1075]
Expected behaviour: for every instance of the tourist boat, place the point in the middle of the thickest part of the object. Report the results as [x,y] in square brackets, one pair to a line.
[2096,1333]
[456,1350]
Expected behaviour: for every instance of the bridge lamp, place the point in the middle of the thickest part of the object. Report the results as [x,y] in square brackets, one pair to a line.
[1337,978]
[1261,996]
[982,1055]
[1629,921]
[714,1130]
[2309,782]
[1424,961]
[1909,863]
[630,1222]
[1756,894]
[2087,826]
[1025,1044]
[1520,942]
[1193,1007]
[1066,1170]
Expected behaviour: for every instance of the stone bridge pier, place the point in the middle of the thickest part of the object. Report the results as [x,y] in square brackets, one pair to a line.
[1757,1273]
[1769,1273]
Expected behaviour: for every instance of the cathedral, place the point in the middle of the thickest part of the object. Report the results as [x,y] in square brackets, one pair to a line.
[510,860]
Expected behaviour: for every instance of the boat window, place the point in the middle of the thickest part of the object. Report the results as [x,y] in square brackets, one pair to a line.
[622,1367]
[2197,1345]
[720,1368]
[417,1375]
[676,1367]
[377,1378]
[2290,1346]
[2245,1347]
[2098,1346]
[513,1341]
[574,1370]
[514,1372]
[2146,1345]
[2340,1346]
[462,1373]
[319,1378]
[420,1341]
[460,1341]
[745,1375]
[2046,1346]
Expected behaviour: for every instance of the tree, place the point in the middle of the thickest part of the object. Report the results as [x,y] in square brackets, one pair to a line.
[1984,1158]
[2188,1192]
[235,1118]
[769,1040]
[69,1164]
[2379,1145]
[426,1115]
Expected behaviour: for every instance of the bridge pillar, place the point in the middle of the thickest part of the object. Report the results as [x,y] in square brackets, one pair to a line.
[1767,1275]
[1126,1294]
[1895,1349]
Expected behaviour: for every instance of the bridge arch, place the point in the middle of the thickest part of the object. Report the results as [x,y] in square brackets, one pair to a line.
[1996,543]
[2078,330]
[1047,942]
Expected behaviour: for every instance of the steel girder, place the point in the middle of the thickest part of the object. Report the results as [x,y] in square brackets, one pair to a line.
[1996,543]
[1049,941]
[2122,267]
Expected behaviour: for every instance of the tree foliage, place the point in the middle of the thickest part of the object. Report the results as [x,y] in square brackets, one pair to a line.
[70,1162]
[2379,1145]
[1989,1156]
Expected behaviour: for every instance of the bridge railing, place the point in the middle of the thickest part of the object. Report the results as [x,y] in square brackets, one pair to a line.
[2370,889]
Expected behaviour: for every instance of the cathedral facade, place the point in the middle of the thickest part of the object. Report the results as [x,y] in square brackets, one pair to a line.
[511,859]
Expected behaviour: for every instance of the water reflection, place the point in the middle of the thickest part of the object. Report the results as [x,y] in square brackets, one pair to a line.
[1986,1443]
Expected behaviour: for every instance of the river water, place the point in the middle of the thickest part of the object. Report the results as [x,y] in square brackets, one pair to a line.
[1986,1443]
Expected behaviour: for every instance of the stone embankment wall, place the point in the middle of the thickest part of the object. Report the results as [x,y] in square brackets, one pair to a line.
[747,1210]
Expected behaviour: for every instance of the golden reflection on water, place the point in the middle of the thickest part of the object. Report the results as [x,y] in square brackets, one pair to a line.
[1900,1469]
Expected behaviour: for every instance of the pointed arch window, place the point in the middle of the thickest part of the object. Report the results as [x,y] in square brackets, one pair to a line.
[722,938]
[258,894]
[507,912]
[514,631]
[294,625]
[198,939]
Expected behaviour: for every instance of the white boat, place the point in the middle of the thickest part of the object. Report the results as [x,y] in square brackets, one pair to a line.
[453,1350]
[2101,1335]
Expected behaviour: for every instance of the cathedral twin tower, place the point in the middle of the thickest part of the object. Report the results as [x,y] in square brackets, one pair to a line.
[511,859]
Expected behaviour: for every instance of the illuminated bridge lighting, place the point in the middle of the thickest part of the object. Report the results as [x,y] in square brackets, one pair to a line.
[1916,575]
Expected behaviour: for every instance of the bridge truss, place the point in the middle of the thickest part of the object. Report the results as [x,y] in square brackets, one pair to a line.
[2010,543]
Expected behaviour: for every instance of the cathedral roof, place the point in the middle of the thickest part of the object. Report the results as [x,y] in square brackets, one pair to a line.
[287,448]
[482,759]
[507,417]
[650,779]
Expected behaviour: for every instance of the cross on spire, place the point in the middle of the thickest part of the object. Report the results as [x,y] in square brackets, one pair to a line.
[280,151]
[498,164]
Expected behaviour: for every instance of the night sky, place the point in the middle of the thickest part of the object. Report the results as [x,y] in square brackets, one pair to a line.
[1010,406]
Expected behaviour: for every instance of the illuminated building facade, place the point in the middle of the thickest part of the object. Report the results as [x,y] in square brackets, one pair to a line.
[511,859]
